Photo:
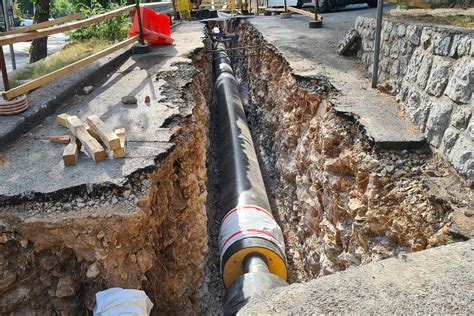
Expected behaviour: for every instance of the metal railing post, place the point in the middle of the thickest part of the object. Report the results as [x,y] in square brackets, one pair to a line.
[3,67]
[139,16]
[378,31]
[7,27]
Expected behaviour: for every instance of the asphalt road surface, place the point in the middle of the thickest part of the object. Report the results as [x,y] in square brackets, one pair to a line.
[55,43]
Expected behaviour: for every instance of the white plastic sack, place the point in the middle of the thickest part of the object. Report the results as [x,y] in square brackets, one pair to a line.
[118,301]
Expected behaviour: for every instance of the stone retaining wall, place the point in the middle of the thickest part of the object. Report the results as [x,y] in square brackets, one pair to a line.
[431,72]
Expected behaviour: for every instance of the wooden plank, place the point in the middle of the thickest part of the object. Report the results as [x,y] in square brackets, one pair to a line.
[43,25]
[71,153]
[61,119]
[302,12]
[214,5]
[275,9]
[33,84]
[28,36]
[121,152]
[90,144]
[107,136]
[92,132]
[60,139]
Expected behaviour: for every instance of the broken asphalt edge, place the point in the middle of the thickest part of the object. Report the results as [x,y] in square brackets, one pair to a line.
[47,99]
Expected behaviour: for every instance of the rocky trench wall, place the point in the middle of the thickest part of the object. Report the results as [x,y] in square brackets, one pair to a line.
[339,202]
[431,72]
[55,262]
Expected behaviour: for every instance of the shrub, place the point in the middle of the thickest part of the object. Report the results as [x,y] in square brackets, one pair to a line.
[113,30]
[61,8]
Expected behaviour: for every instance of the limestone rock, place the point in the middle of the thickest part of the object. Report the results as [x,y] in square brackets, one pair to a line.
[439,76]
[145,260]
[470,128]
[449,138]
[93,271]
[7,279]
[461,155]
[129,99]
[418,108]
[349,42]
[438,121]
[414,65]
[462,45]
[401,30]
[414,34]
[460,86]
[88,89]
[66,287]
[461,118]
[423,72]
[440,43]
[426,37]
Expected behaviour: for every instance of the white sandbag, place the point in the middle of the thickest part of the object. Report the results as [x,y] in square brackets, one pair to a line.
[118,301]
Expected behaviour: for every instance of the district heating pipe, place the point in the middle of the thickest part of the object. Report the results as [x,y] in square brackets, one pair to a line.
[251,244]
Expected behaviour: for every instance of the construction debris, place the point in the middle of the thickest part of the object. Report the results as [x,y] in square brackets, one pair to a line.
[88,90]
[89,134]
[350,43]
[60,139]
[61,119]
[121,152]
[129,99]
[71,153]
[107,136]
[92,131]
[91,145]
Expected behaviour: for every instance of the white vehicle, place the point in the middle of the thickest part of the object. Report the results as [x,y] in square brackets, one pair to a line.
[281,3]
[322,5]
[26,23]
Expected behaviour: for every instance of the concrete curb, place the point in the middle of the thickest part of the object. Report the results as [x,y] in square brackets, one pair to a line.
[45,100]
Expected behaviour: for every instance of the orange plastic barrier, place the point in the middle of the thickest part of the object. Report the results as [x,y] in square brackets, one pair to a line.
[156,27]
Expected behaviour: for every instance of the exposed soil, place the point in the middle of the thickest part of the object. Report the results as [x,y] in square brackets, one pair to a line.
[58,250]
[213,284]
[340,202]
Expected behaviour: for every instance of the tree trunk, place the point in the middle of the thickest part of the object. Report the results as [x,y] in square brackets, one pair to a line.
[39,47]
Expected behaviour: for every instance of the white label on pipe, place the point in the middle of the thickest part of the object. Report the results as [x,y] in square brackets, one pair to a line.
[249,221]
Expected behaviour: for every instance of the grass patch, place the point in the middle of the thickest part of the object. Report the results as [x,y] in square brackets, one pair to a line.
[466,21]
[68,55]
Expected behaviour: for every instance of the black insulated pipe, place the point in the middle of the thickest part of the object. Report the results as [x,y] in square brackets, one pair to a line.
[250,241]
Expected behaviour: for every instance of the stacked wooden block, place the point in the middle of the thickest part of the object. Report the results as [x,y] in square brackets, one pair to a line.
[89,135]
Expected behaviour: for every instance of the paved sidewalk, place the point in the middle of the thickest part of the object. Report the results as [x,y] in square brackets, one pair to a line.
[434,281]
[33,164]
[313,53]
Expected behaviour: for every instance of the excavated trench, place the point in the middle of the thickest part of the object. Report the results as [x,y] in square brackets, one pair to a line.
[57,250]
[339,201]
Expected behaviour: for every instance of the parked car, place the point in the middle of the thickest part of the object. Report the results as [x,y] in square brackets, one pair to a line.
[26,23]
[322,6]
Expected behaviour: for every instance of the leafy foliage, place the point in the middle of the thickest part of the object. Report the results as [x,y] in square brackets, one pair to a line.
[61,8]
[113,30]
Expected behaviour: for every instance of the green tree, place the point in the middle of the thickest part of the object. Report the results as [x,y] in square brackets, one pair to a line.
[39,47]
[111,30]
[61,8]
[25,7]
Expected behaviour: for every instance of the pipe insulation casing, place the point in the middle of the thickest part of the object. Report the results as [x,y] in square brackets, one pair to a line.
[248,225]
